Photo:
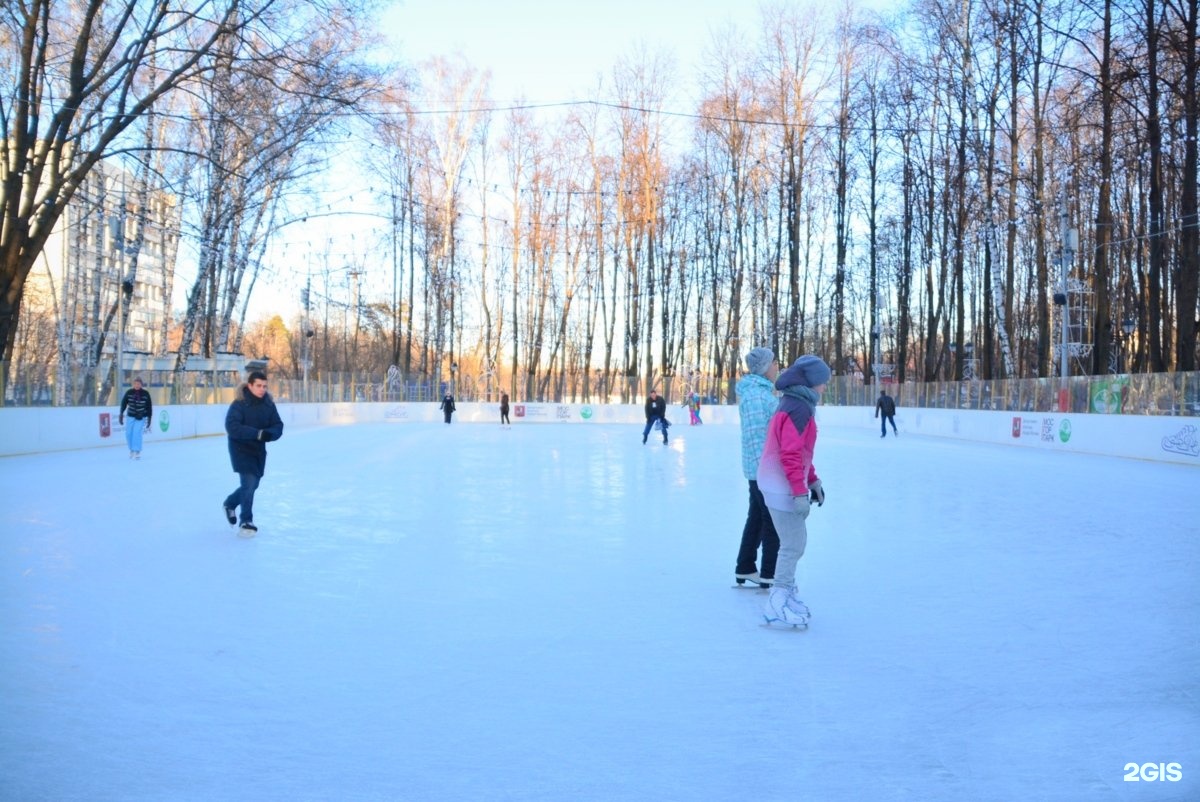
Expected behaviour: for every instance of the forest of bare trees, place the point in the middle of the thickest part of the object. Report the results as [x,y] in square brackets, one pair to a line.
[919,196]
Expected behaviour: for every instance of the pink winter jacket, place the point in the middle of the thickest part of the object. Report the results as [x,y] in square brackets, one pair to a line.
[786,468]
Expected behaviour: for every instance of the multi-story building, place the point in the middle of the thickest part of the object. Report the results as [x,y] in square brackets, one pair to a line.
[115,230]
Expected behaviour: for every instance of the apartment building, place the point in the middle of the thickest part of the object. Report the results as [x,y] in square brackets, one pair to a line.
[116,229]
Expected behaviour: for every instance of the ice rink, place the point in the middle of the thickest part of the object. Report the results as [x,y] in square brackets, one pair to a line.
[546,612]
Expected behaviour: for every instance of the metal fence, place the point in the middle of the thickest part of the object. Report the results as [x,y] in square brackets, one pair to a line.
[1131,394]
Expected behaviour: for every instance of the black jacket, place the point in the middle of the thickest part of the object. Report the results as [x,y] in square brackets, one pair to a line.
[137,403]
[656,408]
[250,423]
[886,405]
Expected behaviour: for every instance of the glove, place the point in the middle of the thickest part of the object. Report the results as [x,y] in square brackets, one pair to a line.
[121,420]
[801,505]
[817,493]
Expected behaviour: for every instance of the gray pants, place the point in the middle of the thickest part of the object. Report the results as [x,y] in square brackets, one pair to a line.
[793,538]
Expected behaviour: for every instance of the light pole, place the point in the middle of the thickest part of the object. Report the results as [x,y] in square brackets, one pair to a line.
[1069,238]
[1127,326]
[876,361]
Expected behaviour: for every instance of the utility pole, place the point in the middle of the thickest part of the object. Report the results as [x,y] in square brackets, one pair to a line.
[306,329]
[1069,242]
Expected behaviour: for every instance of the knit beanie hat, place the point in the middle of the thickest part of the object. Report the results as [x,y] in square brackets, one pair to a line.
[808,371]
[814,370]
[759,359]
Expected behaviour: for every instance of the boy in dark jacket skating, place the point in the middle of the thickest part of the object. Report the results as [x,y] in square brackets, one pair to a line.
[251,422]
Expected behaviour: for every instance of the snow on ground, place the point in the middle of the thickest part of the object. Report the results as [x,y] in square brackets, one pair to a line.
[545,612]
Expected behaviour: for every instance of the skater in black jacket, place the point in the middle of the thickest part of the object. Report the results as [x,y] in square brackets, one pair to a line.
[251,422]
[886,408]
[137,403]
[447,406]
[504,410]
[656,410]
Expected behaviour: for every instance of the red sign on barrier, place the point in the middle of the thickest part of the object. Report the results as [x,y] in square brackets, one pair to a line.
[105,424]
[519,410]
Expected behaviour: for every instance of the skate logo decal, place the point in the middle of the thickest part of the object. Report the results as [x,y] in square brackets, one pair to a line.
[1064,430]
[586,412]
[164,421]
[1183,442]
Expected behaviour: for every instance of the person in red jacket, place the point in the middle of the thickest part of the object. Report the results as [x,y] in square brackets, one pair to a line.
[789,482]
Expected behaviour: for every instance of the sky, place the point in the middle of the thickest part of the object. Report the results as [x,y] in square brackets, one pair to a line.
[555,51]
[547,612]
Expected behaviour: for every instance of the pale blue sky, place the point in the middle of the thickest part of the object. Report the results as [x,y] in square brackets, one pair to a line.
[554,51]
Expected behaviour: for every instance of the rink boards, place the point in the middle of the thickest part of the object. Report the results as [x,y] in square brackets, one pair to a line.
[1158,438]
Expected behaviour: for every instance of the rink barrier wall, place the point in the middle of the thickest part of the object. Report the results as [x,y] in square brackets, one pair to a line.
[31,430]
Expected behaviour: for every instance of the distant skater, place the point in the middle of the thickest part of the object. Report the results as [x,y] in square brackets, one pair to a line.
[656,410]
[251,422]
[789,482]
[137,403]
[504,421]
[447,407]
[756,404]
[694,408]
[886,407]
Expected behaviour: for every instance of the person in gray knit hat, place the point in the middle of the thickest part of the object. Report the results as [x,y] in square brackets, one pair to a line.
[789,482]
[756,405]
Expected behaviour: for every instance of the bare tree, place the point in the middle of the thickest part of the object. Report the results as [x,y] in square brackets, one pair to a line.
[75,84]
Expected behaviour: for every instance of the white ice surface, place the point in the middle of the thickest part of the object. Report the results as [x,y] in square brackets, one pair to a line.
[546,613]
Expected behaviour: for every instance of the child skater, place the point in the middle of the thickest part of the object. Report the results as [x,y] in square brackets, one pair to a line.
[789,482]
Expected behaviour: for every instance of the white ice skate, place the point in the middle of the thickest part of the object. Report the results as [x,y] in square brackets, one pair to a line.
[783,607]
[752,581]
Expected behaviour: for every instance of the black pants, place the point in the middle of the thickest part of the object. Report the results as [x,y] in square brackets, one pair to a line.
[504,416]
[759,530]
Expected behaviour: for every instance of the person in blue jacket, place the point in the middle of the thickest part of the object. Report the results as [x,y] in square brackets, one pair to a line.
[757,403]
[251,422]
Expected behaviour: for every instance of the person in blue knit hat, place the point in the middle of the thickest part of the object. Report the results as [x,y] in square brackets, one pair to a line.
[789,482]
[756,405]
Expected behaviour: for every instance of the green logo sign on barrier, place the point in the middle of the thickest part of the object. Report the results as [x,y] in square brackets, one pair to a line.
[1105,396]
[585,412]
[164,420]
[1064,430]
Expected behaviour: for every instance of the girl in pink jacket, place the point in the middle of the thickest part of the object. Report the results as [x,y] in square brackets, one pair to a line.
[789,482]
